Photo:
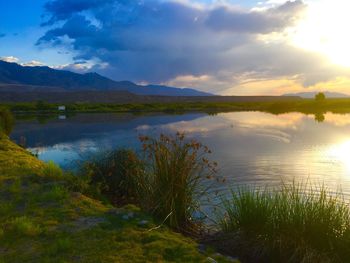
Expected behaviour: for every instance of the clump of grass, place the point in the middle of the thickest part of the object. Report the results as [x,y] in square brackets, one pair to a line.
[292,224]
[174,181]
[24,226]
[58,193]
[52,170]
[6,208]
[15,186]
[60,246]
[114,174]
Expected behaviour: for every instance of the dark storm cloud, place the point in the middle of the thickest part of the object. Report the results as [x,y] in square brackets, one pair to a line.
[63,9]
[273,19]
[155,41]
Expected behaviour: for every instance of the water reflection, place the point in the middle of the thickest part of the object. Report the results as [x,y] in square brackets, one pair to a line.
[250,147]
[341,152]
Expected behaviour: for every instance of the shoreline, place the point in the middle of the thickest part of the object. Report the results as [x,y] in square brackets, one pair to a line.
[307,106]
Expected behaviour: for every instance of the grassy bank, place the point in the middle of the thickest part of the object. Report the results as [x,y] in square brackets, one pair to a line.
[309,106]
[43,220]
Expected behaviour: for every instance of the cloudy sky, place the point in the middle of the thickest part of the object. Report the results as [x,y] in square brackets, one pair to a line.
[229,47]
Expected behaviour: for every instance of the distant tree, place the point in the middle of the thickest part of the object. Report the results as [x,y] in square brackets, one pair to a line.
[320,96]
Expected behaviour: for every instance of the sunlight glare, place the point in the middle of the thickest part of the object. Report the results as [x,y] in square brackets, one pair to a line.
[341,152]
[325,30]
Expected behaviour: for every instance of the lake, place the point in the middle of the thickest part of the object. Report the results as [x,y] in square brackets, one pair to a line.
[250,147]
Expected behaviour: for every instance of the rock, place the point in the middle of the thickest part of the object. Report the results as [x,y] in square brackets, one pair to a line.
[232,259]
[131,215]
[143,222]
[211,260]
[201,248]
[83,223]
[125,217]
[114,211]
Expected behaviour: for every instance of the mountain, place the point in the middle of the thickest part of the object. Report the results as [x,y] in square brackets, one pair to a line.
[47,78]
[310,95]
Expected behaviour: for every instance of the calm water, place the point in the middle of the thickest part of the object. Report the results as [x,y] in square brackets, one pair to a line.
[250,147]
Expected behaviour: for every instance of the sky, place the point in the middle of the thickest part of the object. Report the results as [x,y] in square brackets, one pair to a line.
[227,47]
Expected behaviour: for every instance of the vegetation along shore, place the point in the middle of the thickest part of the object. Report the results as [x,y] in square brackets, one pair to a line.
[120,206]
[276,106]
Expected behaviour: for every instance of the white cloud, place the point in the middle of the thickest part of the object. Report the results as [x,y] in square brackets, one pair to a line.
[13,59]
[82,66]
[33,63]
[10,59]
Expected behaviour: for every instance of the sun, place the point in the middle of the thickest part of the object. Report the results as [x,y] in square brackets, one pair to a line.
[324,29]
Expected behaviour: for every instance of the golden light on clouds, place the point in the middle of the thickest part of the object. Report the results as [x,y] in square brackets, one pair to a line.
[324,29]
[265,87]
[287,85]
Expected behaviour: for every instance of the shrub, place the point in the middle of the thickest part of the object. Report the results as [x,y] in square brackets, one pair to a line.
[114,174]
[6,121]
[76,182]
[292,224]
[43,105]
[52,170]
[174,181]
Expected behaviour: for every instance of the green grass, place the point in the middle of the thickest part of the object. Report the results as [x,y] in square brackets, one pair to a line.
[15,161]
[51,169]
[23,226]
[57,193]
[296,223]
[43,220]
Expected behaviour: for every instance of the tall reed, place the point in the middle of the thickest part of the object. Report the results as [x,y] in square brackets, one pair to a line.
[174,182]
[295,223]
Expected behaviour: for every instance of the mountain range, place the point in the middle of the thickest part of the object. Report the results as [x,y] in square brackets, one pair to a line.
[14,77]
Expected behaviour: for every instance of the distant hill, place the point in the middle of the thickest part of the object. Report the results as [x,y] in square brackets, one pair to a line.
[15,75]
[309,95]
